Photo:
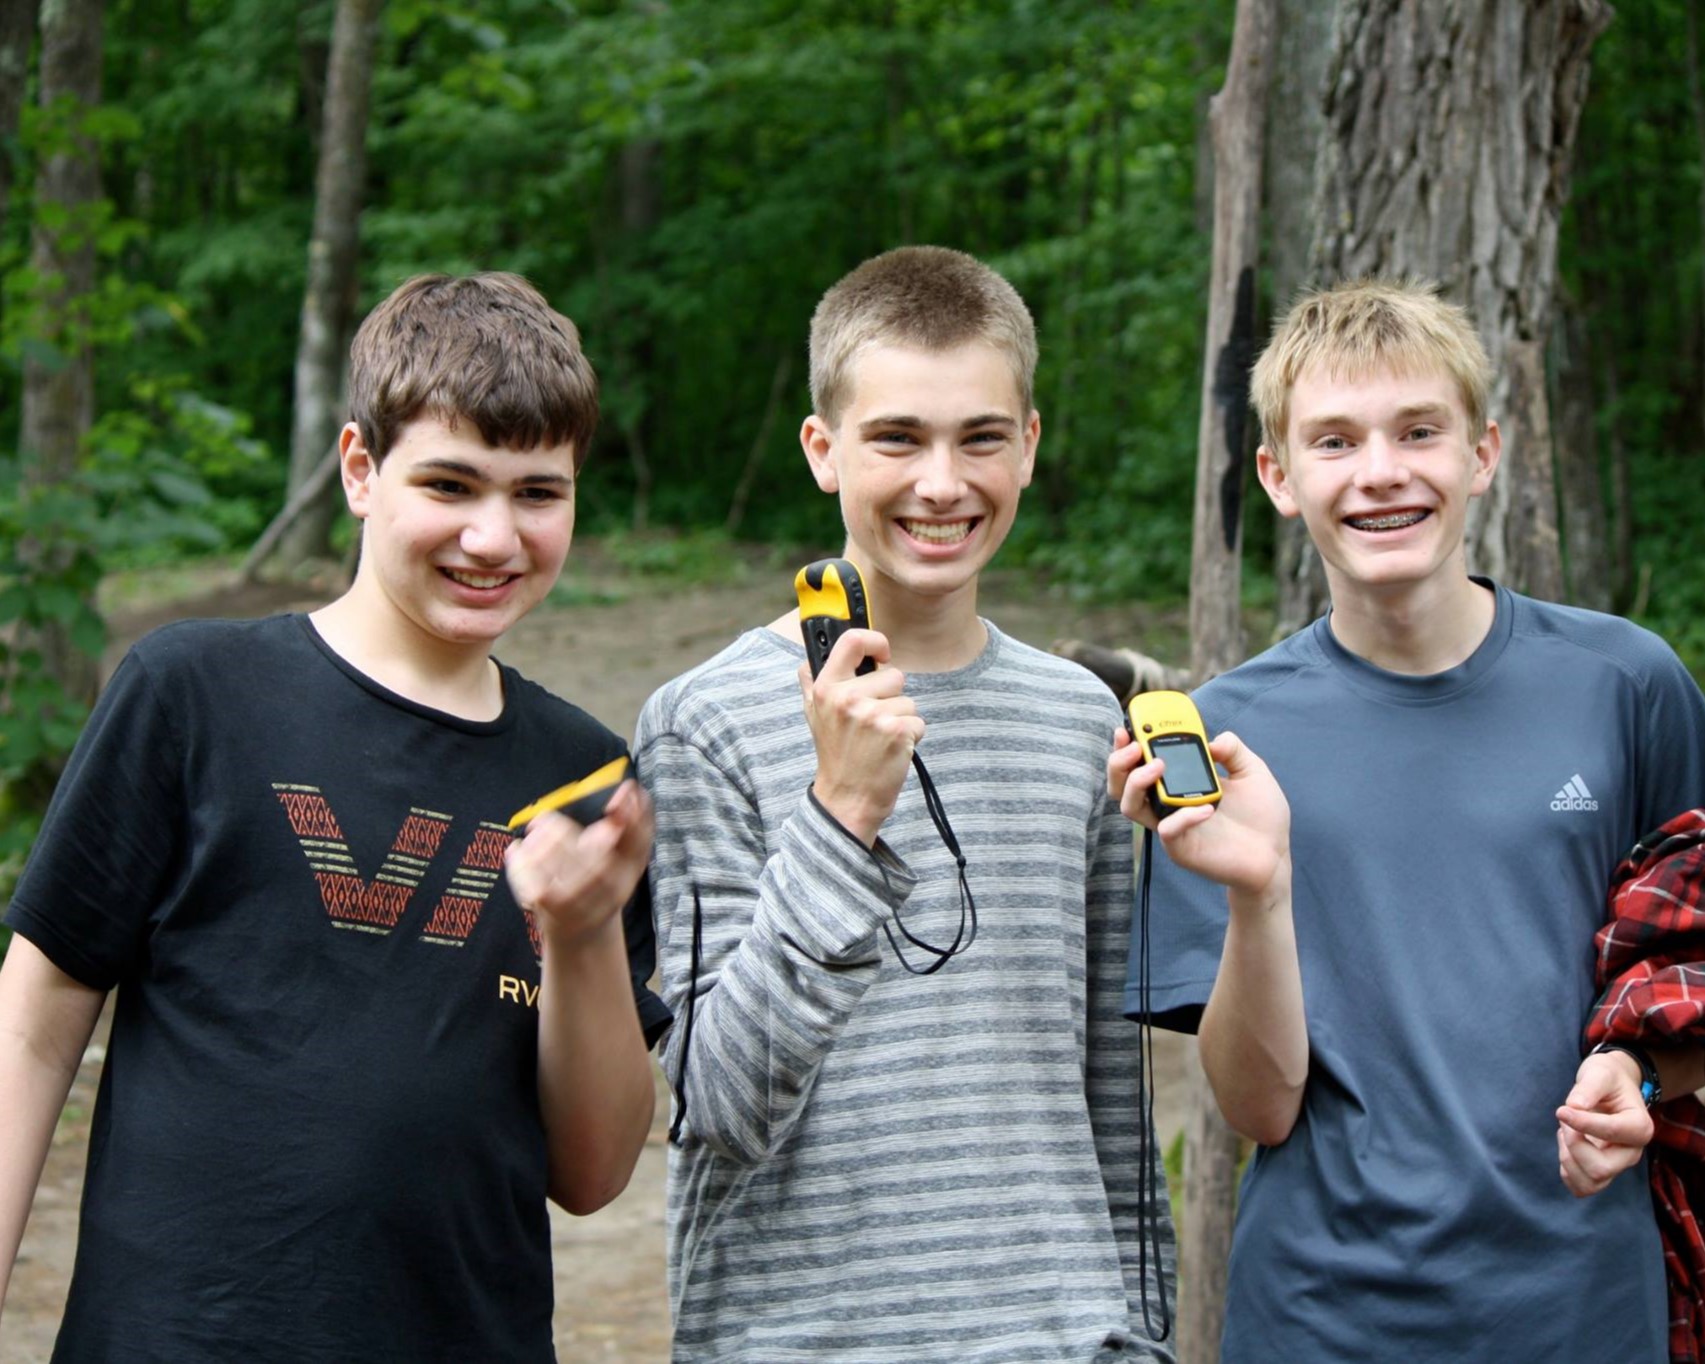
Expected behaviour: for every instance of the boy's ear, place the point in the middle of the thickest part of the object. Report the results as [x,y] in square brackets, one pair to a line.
[1487,452]
[1032,438]
[818,442]
[1272,475]
[358,468]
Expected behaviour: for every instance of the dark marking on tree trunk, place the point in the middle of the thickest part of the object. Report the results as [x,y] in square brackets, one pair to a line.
[1231,396]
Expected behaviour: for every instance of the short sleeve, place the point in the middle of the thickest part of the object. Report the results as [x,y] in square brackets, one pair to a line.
[113,834]
[1672,764]
[654,1015]
[639,930]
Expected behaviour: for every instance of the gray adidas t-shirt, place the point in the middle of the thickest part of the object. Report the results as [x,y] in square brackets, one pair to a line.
[1453,839]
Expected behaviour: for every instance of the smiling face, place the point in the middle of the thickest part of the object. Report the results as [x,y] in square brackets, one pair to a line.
[460,540]
[929,456]
[1381,469]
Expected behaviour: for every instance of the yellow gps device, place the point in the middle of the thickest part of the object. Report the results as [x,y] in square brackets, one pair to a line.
[1168,726]
[582,801]
[831,602]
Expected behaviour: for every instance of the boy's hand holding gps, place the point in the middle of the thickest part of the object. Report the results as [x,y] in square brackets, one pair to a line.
[1241,841]
[576,879]
[864,728]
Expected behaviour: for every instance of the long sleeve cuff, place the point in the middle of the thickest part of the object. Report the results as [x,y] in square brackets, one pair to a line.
[836,890]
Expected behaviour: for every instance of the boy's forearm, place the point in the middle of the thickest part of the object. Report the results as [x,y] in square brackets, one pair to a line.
[45,1022]
[788,944]
[595,1085]
[1254,1035]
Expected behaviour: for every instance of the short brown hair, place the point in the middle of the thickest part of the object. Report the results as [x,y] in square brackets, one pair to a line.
[928,297]
[487,347]
[1360,327]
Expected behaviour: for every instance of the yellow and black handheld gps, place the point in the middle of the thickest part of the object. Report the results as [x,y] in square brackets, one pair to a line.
[582,801]
[1168,726]
[831,602]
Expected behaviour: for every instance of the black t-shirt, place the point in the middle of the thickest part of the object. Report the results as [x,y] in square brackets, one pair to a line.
[317,1135]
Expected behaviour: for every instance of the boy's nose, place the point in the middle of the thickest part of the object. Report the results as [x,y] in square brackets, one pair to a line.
[939,477]
[1382,463]
[490,533]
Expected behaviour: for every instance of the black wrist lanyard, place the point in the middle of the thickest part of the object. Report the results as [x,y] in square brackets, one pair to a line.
[1148,1152]
[962,940]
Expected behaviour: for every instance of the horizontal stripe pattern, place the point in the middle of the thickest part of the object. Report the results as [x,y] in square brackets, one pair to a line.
[878,1166]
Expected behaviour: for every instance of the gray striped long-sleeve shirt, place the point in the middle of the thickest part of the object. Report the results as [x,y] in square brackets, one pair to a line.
[877,1166]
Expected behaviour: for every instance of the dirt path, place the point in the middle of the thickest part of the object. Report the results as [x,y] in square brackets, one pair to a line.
[608,657]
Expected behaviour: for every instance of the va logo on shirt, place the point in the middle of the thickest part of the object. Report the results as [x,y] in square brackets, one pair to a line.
[1574,796]
[377,905]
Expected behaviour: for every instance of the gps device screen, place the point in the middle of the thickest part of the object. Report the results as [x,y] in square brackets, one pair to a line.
[1187,772]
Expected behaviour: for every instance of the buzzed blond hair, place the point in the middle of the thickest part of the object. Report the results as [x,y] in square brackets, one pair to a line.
[927,297]
[1363,327]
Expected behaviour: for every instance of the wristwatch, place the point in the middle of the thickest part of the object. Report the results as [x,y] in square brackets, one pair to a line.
[1650,1090]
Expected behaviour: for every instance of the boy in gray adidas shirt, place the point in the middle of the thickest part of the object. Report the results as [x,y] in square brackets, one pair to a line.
[874,1165]
[1393,1004]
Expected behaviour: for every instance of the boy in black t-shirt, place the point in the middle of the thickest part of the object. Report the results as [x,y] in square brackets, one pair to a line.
[361,1029]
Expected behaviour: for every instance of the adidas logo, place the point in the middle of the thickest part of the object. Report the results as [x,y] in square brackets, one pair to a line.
[1574,796]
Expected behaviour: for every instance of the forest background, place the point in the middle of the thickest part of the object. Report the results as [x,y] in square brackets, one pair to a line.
[684,179]
[198,198]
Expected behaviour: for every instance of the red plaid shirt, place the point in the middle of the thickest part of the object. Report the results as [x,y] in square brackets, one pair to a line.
[1651,974]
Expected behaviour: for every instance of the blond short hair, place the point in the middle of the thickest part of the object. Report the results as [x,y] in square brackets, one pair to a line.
[927,297]
[1362,327]
[483,348]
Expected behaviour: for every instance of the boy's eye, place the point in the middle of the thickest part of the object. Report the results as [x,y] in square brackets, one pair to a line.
[542,496]
[449,487]
[1422,432]
[986,439]
[1331,443]
[894,438]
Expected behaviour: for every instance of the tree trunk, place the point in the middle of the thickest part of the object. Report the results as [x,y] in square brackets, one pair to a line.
[59,385]
[17,31]
[1216,623]
[1295,108]
[1586,552]
[637,182]
[760,442]
[1450,126]
[328,303]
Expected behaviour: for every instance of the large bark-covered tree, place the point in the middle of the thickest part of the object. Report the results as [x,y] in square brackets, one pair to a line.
[1237,118]
[328,303]
[1450,126]
[59,372]
[1295,120]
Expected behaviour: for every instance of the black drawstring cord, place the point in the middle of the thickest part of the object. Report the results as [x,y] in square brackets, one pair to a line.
[962,940]
[967,905]
[1148,1219]
[687,1026]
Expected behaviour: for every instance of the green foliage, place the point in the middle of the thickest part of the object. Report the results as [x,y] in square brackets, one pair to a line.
[1632,260]
[143,492]
[1669,508]
[203,482]
[684,179]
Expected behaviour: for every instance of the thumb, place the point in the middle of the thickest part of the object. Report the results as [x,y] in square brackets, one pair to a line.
[1589,1089]
[1229,752]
